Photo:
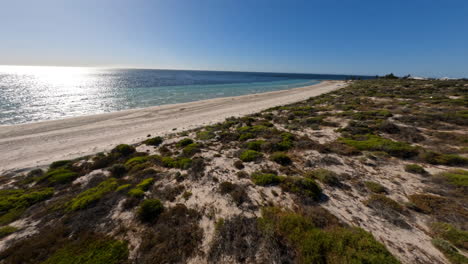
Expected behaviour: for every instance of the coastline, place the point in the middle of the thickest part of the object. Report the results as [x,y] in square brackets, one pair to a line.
[32,145]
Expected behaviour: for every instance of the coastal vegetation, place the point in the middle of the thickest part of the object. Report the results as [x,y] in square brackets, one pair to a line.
[344,177]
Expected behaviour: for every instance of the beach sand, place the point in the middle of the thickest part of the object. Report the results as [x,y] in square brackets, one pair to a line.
[33,145]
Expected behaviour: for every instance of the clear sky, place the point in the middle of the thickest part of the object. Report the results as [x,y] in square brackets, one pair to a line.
[419,37]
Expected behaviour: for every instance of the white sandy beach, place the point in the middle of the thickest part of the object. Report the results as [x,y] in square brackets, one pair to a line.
[37,144]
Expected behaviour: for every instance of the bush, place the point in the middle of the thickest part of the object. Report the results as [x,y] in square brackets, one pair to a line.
[375,187]
[450,233]
[136,192]
[96,251]
[281,158]
[377,143]
[179,163]
[302,187]
[250,155]
[191,149]
[265,179]
[123,149]
[92,195]
[14,202]
[156,141]
[184,142]
[7,230]
[326,176]
[449,251]
[135,162]
[238,164]
[415,168]
[145,184]
[59,175]
[60,163]
[117,170]
[457,178]
[150,209]
[443,159]
[255,145]
[387,209]
[205,135]
[331,245]
[226,187]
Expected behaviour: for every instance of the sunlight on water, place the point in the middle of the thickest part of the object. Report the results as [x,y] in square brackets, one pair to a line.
[33,93]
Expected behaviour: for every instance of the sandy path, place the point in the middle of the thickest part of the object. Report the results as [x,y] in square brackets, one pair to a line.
[37,144]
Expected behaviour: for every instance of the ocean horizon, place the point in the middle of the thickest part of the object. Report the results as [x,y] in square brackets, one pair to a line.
[39,93]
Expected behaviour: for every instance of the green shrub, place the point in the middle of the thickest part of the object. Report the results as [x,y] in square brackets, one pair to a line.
[415,168]
[255,145]
[450,233]
[303,187]
[145,184]
[205,135]
[458,178]
[315,245]
[92,195]
[18,198]
[134,162]
[117,170]
[123,187]
[7,230]
[374,187]
[265,178]
[377,143]
[281,158]
[449,251]
[246,136]
[443,159]
[184,142]
[250,155]
[286,143]
[136,192]
[59,175]
[326,176]
[156,141]
[180,163]
[92,251]
[382,201]
[123,149]
[150,209]
[191,149]
[60,163]
[226,187]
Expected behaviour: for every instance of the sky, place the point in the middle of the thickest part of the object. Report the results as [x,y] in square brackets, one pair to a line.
[370,37]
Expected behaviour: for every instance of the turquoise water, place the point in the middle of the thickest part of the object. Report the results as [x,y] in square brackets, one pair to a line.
[31,94]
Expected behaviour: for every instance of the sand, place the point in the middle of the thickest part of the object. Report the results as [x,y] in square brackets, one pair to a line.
[33,145]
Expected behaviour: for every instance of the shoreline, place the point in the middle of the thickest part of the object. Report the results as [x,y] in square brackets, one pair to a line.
[30,145]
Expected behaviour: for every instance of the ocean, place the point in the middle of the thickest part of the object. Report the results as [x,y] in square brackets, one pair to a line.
[34,93]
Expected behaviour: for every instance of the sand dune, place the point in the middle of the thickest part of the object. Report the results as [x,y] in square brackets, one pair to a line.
[32,145]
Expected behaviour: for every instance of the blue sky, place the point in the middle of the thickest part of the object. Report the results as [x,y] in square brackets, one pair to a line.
[419,37]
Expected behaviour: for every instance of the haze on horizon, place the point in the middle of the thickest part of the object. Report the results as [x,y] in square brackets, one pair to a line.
[422,38]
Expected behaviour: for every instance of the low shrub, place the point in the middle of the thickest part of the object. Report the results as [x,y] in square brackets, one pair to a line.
[449,251]
[145,184]
[92,195]
[178,162]
[326,176]
[60,175]
[238,164]
[237,192]
[14,202]
[7,230]
[205,135]
[415,168]
[226,187]
[374,187]
[331,245]
[387,209]
[156,141]
[250,155]
[123,187]
[457,237]
[60,163]
[265,179]
[255,145]
[134,162]
[96,251]
[281,158]
[150,209]
[123,149]
[117,170]
[136,193]
[457,178]
[377,143]
[191,149]
[303,187]
[443,159]
[184,142]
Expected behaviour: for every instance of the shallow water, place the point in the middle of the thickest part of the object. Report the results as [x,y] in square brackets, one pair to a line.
[31,94]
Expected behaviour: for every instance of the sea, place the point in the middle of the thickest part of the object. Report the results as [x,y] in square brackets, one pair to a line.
[38,93]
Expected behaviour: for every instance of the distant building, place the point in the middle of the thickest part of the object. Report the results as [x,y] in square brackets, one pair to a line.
[417,78]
